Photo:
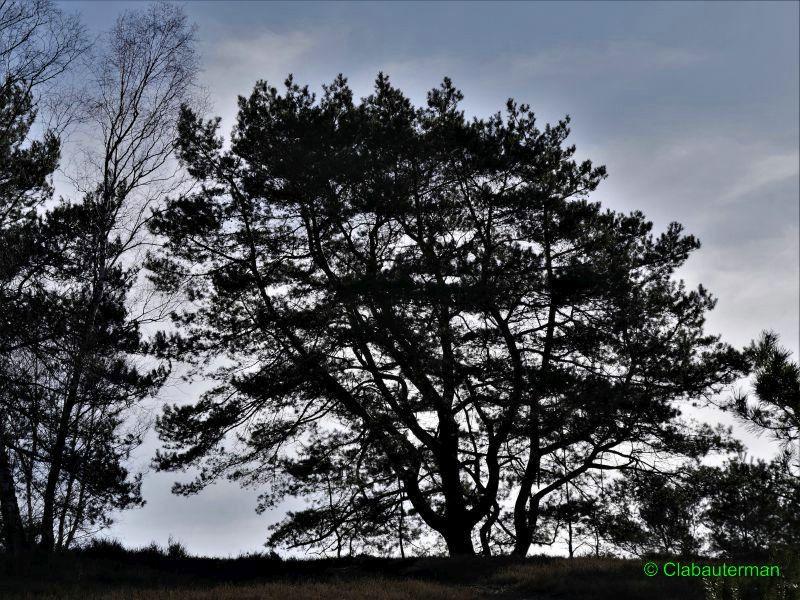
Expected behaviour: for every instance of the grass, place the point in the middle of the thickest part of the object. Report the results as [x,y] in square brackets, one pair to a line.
[594,578]
[150,573]
[368,589]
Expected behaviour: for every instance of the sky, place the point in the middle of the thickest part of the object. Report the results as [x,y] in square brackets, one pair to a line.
[693,107]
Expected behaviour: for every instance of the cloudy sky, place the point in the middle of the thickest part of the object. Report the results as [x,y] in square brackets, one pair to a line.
[693,107]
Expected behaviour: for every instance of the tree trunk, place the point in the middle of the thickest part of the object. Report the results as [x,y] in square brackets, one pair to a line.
[525,526]
[570,549]
[76,521]
[47,540]
[486,530]
[401,522]
[13,531]
[59,541]
[28,469]
[526,507]
[457,527]
[459,542]
[569,510]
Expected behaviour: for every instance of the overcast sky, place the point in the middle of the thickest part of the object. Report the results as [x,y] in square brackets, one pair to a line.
[693,107]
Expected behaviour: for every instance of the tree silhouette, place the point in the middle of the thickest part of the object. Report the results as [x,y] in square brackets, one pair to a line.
[752,508]
[37,44]
[440,283]
[143,74]
[25,168]
[69,324]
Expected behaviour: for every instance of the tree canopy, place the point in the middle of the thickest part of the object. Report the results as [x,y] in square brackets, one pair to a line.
[399,283]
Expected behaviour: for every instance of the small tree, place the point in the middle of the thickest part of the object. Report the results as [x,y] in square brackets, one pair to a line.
[576,514]
[656,513]
[356,502]
[752,508]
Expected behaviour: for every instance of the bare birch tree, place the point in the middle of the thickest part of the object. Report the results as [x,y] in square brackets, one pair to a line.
[143,73]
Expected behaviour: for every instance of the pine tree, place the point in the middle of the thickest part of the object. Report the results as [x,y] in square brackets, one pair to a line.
[440,283]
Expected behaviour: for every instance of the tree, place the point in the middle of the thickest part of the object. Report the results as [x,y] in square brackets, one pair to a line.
[26,166]
[144,73]
[753,507]
[441,284]
[656,513]
[577,514]
[741,509]
[37,44]
[40,46]
[95,379]
[75,369]
[357,503]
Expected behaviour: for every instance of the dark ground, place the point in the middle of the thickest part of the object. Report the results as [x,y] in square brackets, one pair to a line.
[153,574]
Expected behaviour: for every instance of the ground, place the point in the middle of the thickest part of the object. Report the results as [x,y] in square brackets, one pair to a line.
[154,576]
